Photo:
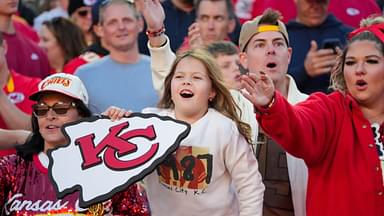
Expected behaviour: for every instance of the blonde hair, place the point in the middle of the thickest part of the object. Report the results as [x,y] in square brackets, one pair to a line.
[337,75]
[223,101]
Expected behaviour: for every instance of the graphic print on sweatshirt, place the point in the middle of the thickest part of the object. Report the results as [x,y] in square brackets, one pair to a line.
[378,134]
[188,170]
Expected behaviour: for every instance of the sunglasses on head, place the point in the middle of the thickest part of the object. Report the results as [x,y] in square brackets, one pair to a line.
[60,108]
[106,2]
[83,13]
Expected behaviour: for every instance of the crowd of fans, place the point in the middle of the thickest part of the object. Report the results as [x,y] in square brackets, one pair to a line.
[302,83]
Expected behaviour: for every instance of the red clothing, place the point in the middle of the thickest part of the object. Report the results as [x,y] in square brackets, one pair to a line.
[85,58]
[25,189]
[335,140]
[23,87]
[352,11]
[349,12]
[25,57]
[249,9]
[22,27]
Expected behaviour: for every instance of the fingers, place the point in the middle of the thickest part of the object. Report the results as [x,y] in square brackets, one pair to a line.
[193,31]
[194,36]
[320,62]
[313,47]
[115,113]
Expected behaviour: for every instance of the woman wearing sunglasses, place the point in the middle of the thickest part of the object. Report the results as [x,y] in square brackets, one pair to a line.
[25,188]
[79,12]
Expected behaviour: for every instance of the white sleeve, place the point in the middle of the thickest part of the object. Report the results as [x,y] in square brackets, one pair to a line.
[161,61]
[243,168]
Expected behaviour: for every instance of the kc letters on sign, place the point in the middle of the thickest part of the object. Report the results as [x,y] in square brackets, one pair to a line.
[104,157]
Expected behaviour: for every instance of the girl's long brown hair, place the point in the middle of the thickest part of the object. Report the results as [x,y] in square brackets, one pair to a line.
[223,101]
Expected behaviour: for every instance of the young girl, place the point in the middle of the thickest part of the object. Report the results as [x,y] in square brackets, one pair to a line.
[213,172]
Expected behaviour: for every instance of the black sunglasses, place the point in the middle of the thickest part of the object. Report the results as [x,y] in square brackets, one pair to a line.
[60,108]
[83,13]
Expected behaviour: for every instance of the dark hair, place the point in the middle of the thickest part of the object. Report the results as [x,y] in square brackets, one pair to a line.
[228,4]
[35,142]
[222,48]
[68,35]
[1,39]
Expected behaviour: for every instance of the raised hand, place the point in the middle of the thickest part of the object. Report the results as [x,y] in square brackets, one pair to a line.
[319,61]
[194,36]
[153,13]
[259,88]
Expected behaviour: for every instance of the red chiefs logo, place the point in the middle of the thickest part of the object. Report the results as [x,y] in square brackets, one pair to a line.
[116,146]
[56,80]
[116,153]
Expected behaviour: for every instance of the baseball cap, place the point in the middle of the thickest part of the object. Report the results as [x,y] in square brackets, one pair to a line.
[63,83]
[75,4]
[252,27]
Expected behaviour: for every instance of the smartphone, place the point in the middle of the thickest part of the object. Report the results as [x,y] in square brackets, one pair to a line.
[331,43]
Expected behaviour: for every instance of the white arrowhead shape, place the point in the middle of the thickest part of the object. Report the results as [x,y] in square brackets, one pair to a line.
[98,183]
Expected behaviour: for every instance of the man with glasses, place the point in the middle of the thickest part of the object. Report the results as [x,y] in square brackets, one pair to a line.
[122,78]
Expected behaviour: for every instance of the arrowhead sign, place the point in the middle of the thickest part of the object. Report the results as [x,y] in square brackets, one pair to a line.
[105,157]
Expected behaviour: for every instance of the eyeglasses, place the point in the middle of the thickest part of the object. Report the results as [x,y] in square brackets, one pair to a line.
[83,13]
[60,108]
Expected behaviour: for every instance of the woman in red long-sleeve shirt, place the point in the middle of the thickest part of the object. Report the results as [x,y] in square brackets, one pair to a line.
[340,135]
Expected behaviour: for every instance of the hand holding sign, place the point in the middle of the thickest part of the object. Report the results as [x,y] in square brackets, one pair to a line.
[103,157]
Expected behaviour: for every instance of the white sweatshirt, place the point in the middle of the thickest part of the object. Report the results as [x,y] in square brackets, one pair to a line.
[213,173]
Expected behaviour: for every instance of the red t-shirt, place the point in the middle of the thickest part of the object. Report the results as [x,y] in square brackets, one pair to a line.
[249,9]
[22,27]
[23,87]
[72,65]
[352,11]
[25,57]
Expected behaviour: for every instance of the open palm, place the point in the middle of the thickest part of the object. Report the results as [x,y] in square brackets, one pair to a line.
[152,12]
[259,88]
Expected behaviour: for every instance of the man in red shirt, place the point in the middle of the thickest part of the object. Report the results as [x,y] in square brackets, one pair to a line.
[15,106]
[23,55]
